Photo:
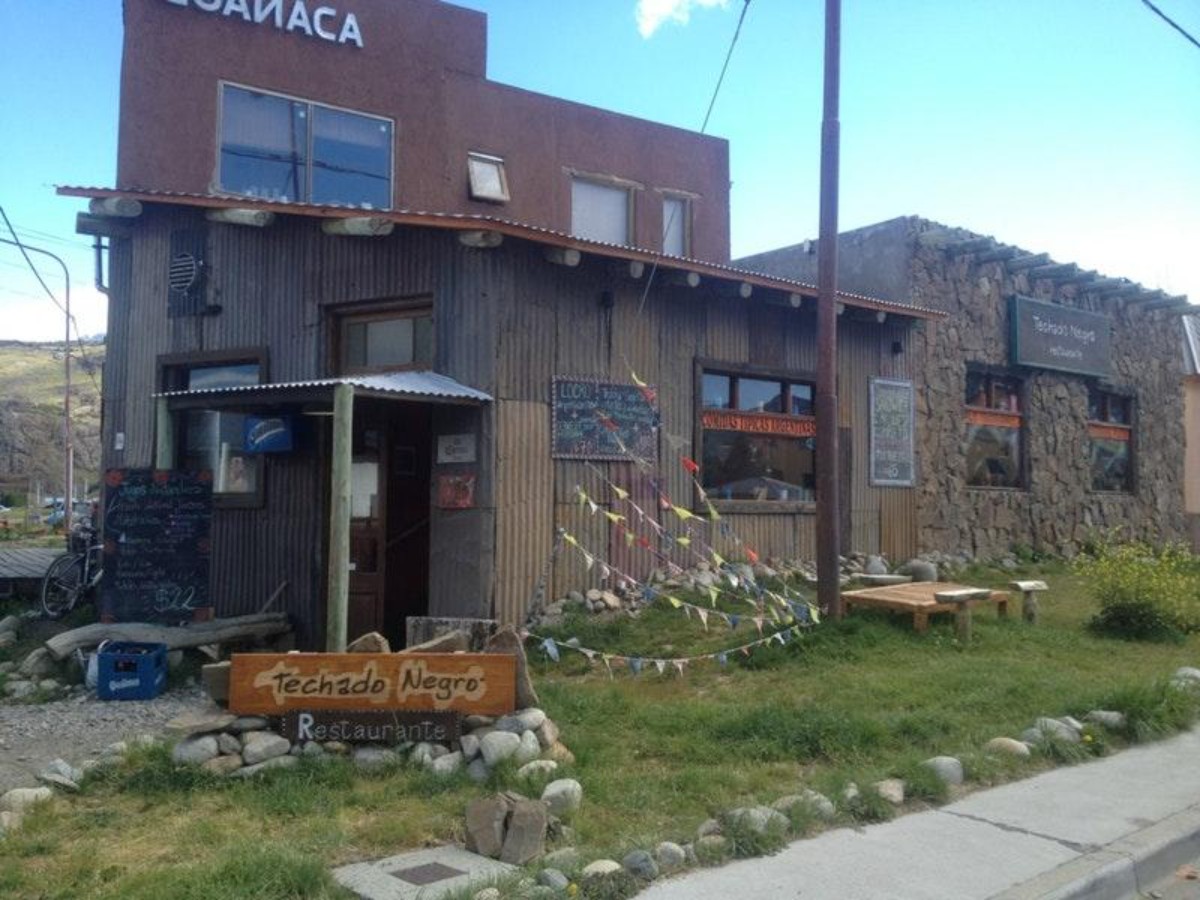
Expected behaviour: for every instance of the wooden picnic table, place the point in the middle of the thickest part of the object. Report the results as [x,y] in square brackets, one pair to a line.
[923,599]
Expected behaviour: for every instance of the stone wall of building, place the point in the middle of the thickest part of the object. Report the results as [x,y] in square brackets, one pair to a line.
[1056,511]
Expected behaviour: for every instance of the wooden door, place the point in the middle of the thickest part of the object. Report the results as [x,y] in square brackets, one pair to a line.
[368,524]
[408,497]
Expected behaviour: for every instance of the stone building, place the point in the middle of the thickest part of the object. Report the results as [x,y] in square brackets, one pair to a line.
[1049,402]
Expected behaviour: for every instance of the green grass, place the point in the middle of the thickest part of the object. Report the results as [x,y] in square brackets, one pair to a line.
[858,700]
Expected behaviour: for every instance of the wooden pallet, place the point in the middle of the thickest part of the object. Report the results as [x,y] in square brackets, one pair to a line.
[926,598]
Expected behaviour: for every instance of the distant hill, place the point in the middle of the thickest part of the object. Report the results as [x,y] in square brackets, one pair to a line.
[32,379]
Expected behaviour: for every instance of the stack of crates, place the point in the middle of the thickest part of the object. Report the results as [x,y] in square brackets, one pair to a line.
[129,670]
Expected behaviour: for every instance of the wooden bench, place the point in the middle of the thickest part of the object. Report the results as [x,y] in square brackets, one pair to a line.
[926,598]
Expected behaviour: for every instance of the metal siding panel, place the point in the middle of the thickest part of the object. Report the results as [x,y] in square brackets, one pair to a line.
[524,505]
[728,336]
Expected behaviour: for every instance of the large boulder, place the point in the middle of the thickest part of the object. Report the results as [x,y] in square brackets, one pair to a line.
[259,746]
[506,640]
[20,799]
[371,642]
[486,819]
[563,796]
[498,745]
[525,835]
[195,751]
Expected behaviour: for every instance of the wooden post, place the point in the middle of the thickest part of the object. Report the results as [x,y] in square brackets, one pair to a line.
[338,600]
[164,444]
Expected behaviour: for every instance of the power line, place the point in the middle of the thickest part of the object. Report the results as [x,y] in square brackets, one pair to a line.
[1162,15]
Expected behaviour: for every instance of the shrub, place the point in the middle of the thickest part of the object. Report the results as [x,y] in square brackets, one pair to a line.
[1144,593]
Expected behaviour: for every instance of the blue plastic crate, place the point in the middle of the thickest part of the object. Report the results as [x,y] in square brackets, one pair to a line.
[131,671]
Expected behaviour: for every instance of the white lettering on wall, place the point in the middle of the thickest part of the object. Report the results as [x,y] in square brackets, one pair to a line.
[322,23]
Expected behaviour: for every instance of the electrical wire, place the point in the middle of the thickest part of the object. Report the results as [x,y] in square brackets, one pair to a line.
[1162,15]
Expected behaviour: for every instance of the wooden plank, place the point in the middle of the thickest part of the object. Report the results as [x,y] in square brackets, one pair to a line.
[26,563]
[275,683]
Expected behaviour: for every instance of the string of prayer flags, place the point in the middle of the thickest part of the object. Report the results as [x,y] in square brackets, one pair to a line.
[551,648]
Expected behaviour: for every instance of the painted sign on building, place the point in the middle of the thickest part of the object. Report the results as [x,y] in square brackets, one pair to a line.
[275,683]
[1051,336]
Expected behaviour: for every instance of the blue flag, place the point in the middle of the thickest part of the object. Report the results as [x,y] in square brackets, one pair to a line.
[551,648]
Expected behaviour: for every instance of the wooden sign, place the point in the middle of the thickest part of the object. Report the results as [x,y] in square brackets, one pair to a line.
[892,456]
[595,419]
[1052,336]
[275,683]
[759,423]
[357,727]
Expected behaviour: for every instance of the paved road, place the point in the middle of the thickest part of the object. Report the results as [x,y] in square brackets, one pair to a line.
[1097,830]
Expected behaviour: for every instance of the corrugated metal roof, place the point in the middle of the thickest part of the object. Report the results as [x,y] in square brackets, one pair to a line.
[424,385]
[473,222]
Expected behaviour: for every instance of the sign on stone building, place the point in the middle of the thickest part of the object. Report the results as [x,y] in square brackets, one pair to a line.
[892,458]
[1051,336]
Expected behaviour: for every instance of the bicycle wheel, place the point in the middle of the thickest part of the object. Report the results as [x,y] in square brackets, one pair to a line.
[62,584]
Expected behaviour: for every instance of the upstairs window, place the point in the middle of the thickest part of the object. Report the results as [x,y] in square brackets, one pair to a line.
[995,430]
[280,148]
[601,212]
[758,438]
[1110,440]
[677,226]
[386,341]
[487,178]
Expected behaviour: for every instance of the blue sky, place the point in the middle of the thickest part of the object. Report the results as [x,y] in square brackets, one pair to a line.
[1065,126]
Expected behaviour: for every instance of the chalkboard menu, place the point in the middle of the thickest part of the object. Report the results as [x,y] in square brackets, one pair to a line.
[1051,336]
[892,463]
[156,545]
[595,419]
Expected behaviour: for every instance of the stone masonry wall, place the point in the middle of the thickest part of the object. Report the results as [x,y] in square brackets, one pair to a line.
[1056,511]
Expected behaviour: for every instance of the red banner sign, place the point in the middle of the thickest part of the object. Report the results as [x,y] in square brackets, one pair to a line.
[759,423]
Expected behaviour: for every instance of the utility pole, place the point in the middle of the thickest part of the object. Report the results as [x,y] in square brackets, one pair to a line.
[828,503]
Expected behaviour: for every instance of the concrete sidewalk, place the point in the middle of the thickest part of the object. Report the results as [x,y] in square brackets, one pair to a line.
[1099,830]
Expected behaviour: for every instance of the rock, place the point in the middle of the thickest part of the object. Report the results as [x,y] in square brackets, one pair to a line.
[525,837]
[195,750]
[506,640]
[566,858]
[531,719]
[275,762]
[478,771]
[593,595]
[49,685]
[488,893]
[1072,722]
[55,780]
[850,792]
[248,723]
[947,768]
[312,750]
[891,790]
[1056,728]
[9,822]
[547,734]
[371,642]
[1031,736]
[38,664]
[553,879]
[640,864]
[20,690]
[670,856]
[563,797]
[875,566]
[422,754]
[711,845]
[7,639]
[118,749]
[884,580]
[446,765]
[707,827]
[919,569]
[63,769]
[1110,719]
[20,799]
[338,748]
[259,746]
[1006,746]
[10,625]
[538,768]
[759,819]
[198,722]
[498,745]
[472,722]
[529,749]
[375,759]
[610,600]
[228,745]
[814,803]
[560,754]
[485,821]
[1186,676]
[600,868]
[222,765]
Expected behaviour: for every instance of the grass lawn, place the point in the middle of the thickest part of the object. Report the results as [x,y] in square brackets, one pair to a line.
[858,700]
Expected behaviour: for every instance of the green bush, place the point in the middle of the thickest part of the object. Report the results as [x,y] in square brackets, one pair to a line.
[1144,593]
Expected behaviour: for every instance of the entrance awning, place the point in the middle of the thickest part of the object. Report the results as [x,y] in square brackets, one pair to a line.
[420,385]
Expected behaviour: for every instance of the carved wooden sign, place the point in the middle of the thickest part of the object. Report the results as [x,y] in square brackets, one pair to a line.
[276,683]
[372,727]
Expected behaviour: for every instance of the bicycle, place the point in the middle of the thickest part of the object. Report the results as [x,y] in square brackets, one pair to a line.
[75,574]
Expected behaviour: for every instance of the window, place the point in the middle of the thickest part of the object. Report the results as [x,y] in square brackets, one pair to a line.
[994,430]
[378,342]
[601,212]
[487,178]
[758,438]
[677,226]
[1110,440]
[280,148]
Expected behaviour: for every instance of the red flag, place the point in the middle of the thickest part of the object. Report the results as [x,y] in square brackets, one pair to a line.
[690,464]
[752,556]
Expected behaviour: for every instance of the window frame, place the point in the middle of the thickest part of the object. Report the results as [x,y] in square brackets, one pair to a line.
[219,188]
[629,188]
[687,201]
[171,375]
[995,417]
[1106,429]
[786,377]
[501,167]
[375,312]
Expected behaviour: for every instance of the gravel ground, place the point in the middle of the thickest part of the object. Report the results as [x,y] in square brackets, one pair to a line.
[77,728]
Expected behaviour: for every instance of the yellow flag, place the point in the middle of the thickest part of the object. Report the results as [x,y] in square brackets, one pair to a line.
[570,539]
[718,560]
[712,594]
[612,516]
[674,601]
[712,510]
[684,514]
[683,541]
[620,492]
[636,380]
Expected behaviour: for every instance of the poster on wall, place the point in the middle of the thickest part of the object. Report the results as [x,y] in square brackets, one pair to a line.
[892,456]
[596,419]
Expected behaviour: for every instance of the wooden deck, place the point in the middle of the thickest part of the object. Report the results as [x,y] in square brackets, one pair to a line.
[919,600]
[25,565]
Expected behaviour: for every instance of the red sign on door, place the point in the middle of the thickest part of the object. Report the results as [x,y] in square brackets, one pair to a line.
[456,491]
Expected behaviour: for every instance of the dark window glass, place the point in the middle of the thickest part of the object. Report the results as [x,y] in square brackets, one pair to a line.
[207,378]
[351,159]
[264,145]
[1110,464]
[977,390]
[715,391]
[742,466]
[993,456]
[1095,406]
[216,441]
[374,344]
[802,400]
[1006,394]
[759,396]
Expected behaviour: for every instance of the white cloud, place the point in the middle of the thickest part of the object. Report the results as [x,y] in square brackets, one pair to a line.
[651,14]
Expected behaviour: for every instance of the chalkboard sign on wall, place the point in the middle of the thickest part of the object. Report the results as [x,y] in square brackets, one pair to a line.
[593,419]
[156,545]
[892,463]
